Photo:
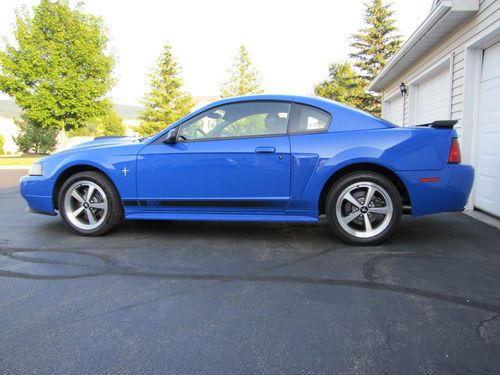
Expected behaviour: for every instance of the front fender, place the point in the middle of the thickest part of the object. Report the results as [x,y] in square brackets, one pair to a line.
[119,167]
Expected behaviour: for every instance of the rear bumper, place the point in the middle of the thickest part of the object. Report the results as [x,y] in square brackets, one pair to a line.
[447,191]
[37,191]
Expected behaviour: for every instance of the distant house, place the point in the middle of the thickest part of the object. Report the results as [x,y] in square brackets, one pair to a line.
[8,129]
[450,68]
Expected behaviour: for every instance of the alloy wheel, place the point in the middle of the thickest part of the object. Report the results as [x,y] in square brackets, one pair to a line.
[364,209]
[86,205]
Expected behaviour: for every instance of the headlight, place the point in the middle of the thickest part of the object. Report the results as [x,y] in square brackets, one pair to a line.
[36,170]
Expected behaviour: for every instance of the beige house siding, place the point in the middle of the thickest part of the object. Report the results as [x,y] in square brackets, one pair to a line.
[451,49]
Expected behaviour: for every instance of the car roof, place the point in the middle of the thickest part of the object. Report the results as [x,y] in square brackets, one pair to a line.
[310,100]
[336,109]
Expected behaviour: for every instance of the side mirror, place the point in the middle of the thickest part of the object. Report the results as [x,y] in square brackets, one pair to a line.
[171,136]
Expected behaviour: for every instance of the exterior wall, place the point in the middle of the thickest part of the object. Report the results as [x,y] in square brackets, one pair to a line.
[452,50]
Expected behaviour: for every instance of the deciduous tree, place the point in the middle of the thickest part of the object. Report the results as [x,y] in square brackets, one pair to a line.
[110,124]
[343,85]
[59,70]
[106,125]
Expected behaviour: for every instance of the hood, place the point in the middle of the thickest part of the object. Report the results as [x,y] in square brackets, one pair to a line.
[99,142]
[95,150]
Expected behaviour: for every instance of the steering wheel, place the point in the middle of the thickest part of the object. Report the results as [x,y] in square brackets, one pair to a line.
[198,130]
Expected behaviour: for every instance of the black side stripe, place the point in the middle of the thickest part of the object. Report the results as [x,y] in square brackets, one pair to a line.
[130,203]
[203,203]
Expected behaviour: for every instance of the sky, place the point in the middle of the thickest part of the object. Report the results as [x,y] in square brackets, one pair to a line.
[291,42]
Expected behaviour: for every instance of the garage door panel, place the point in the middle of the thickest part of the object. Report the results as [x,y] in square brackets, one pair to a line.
[490,112]
[489,158]
[393,110]
[486,195]
[491,66]
[433,98]
[487,190]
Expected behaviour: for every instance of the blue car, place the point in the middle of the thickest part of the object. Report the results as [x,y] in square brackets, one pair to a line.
[259,158]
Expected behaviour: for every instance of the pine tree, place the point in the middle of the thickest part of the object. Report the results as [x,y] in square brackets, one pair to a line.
[166,102]
[243,78]
[375,44]
[343,85]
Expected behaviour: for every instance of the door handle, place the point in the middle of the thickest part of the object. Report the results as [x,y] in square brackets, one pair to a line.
[266,150]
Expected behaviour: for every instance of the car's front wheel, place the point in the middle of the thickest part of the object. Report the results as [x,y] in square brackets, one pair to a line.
[363,208]
[89,204]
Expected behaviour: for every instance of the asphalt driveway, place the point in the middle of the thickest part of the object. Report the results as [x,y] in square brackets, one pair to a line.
[188,297]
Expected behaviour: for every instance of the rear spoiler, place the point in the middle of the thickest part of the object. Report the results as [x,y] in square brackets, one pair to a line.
[442,124]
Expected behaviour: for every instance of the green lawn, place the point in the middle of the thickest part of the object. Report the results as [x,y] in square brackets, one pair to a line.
[18,160]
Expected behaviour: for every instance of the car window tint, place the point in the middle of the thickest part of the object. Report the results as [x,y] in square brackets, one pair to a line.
[238,120]
[308,119]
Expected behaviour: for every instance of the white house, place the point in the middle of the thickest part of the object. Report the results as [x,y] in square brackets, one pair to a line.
[8,129]
[450,69]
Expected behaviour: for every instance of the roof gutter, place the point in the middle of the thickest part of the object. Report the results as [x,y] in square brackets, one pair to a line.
[438,13]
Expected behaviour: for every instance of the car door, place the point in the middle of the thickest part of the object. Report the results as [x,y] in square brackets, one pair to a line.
[235,157]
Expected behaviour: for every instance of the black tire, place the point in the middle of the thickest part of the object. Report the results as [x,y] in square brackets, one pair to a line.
[357,231]
[113,214]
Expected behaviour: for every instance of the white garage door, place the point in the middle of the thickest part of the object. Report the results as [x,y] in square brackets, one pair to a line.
[433,98]
[487,190]
[393,110]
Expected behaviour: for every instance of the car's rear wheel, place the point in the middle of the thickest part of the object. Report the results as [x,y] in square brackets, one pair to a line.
[89,204]
[363,208]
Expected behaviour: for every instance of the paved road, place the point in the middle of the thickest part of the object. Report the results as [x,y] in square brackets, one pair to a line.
[184,298]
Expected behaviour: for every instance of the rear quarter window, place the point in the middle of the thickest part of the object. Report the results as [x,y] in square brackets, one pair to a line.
[306,119]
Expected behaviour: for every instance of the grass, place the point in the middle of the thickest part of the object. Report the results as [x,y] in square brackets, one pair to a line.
[18,160]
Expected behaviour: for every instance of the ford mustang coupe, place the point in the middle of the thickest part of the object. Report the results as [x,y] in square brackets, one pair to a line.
[259,158]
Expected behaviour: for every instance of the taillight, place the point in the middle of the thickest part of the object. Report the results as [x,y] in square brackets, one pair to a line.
[455,157]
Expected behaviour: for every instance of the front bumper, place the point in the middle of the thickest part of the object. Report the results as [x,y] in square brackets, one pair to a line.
[37,191]
[449,193]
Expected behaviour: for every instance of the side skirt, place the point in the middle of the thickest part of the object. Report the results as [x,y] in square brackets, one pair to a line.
[196,216]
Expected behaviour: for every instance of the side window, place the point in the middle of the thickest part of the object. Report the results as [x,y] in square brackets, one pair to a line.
[238,120]
[307,119]
[201,125]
